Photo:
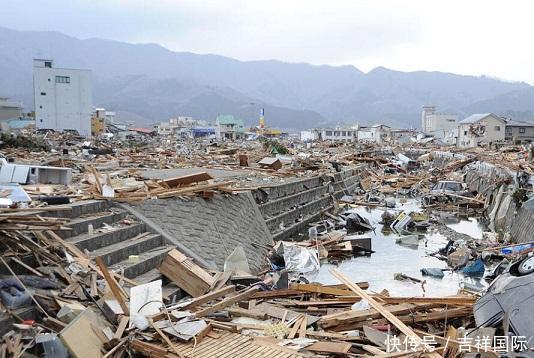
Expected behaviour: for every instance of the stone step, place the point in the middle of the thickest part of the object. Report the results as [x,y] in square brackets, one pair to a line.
[99,240]
[79,225]
[80,208]
[123,249]
[149,276]
[147,261]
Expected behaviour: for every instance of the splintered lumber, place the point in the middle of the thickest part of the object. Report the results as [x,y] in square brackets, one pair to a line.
[285,292]
[186,179]
[376,305]
[322,289]
[148,349]
[210,296]
[165,338]
[121,327]
[251,313]
[227,302]
[451,300]
[278,312]
[296,327]
[193,189]
[350,317]
[187,275]
[113,285]
[302,329]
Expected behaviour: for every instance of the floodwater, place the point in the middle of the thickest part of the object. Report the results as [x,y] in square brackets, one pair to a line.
[390,258]
[471,226]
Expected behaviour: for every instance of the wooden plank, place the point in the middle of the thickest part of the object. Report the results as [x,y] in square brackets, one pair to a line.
[330,347]
[295,328]
[121,327]
[195,188]
[210,296]
[376,305]
[35,272]
[302,329]
[251,313]
[278,312]
[322,289]
[186,179]
[113,285]
[165,338]
[362,315]
[452,300]
[148,349]
[227,302]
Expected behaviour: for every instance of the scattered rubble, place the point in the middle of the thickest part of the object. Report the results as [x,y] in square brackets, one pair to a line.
[62,299]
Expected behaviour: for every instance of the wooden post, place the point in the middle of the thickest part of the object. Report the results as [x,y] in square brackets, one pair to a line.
[377,306]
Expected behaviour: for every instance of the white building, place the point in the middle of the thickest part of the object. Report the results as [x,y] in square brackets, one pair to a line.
[480,129]
[309,136]
[9,110]
[379,133]
[63,98]
[437,124]
[337,134]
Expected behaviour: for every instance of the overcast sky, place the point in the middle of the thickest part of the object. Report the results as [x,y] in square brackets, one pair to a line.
[465,36]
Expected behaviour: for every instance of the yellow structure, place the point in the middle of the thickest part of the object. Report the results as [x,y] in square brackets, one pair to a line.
[98,126]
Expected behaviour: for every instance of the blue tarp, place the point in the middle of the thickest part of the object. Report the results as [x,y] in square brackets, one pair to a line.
[433,272]
[475,269]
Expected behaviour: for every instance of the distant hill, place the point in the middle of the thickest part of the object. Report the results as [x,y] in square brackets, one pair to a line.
[152,83]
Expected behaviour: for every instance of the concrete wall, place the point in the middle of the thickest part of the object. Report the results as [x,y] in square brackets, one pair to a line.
[213,228]
[289,208]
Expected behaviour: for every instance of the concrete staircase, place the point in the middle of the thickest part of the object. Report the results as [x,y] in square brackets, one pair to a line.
[124,246]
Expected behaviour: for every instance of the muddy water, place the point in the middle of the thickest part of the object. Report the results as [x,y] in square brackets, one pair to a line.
[389,258]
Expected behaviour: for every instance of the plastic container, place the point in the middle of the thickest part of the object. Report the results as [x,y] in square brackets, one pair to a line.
[52,346]
[14,298]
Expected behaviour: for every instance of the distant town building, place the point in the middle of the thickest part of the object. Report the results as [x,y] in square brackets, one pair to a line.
[437,124]
[402,136]
[109,117]
[480,129]
[180,126]
[522,131]
[229,127]
[98,122]
[337,134]
[9,110]
[309,136]
[379,133]
[62,97]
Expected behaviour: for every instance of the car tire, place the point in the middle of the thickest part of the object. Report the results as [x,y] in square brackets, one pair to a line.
[526,266]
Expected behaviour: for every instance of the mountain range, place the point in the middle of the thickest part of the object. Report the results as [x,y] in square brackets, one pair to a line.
[148,83]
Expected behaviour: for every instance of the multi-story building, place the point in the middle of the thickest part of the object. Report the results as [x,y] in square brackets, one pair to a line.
[437,124]
[9,110]
[229,127]
[519,131]
[379,133]
[62,98]
[337,134]
[480,129]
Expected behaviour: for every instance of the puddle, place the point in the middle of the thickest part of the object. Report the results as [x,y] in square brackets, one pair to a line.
[391,258]
[472,227]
